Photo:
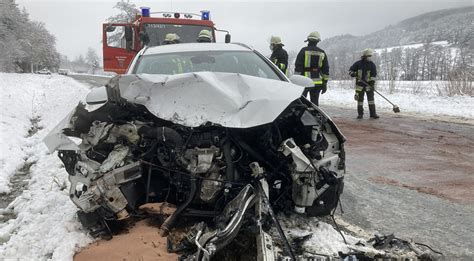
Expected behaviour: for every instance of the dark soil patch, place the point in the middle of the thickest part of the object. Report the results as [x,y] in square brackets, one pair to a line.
[18,183]
[35,127]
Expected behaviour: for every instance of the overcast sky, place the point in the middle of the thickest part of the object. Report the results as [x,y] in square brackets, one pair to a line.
[77,24]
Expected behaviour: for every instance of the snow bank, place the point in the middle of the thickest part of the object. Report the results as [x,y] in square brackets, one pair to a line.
[326,240]
[16,101]
[25,97]
[411,97]
[45,226]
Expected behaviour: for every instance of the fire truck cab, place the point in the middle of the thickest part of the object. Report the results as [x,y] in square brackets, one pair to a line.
[122,41]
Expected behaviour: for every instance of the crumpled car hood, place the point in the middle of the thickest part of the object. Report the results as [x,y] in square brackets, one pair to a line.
[193,99]
[227,99]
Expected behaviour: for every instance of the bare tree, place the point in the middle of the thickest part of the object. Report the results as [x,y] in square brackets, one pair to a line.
[92,59]
[128,12]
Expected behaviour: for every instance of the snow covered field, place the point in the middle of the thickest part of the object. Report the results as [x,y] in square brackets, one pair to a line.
[411,46]
[44,225]
[421,98]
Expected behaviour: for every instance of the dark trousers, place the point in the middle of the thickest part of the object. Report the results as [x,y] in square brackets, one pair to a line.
[313,95]
[370,100]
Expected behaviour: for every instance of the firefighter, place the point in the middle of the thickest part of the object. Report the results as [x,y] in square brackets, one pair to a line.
[204,36]
[144,38]
[279,56]
[178,65]
[171,39]
[365,72]
[312,62]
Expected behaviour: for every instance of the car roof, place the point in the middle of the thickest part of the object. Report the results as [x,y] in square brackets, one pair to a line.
[193,47]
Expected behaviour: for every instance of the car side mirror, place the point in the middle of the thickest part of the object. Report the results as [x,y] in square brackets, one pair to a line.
[97,96]
[301,80]
[227,38]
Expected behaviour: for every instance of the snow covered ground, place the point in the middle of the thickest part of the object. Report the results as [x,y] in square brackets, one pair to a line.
[44,225]
[415,98]
[410,46]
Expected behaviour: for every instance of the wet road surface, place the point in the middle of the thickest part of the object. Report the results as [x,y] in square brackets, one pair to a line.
[412,177]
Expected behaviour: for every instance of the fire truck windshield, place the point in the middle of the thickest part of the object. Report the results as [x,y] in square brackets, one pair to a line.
[186,33]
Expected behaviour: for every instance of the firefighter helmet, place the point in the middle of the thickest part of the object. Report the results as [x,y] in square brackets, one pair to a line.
[171,39]
[367,52]
[204,36]
[275,40]
[313,37]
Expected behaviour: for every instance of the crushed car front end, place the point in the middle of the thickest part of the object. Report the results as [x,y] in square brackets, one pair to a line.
[227,150]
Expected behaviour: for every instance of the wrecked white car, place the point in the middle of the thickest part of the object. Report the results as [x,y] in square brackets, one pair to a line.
[213,129]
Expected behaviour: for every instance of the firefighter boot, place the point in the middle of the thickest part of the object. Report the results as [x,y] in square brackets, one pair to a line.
[373,114]
[360,111]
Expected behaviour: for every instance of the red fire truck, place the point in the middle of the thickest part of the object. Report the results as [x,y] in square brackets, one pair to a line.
[122,41]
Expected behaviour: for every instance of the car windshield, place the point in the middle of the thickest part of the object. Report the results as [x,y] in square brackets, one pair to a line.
[244,62]
[186,33]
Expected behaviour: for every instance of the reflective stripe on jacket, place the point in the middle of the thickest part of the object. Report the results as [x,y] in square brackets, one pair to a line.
[312,62]
[364,71]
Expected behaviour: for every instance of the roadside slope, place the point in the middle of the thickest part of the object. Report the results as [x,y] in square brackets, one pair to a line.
[42,223]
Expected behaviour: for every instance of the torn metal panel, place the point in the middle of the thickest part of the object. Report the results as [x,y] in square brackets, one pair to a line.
[57,140]
[115,158]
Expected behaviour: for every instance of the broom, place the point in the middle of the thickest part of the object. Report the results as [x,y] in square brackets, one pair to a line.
[396,109]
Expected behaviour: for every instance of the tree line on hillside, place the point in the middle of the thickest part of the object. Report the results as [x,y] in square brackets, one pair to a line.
[429,62]
[25,45]
[452,61]
[453,25]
